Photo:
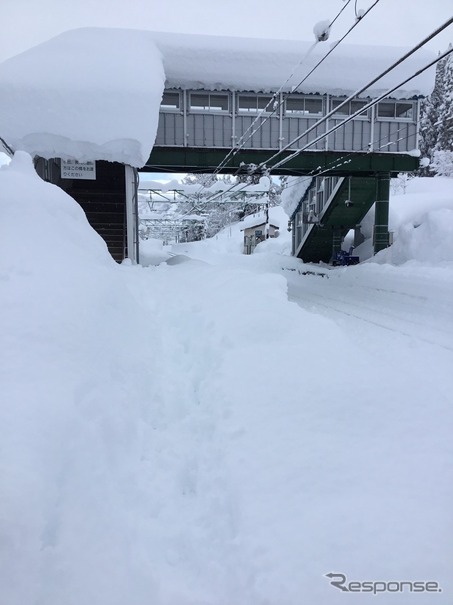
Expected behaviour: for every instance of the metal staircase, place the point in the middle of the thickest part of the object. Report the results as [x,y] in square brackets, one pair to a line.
[103,199]
[347,205]
[107,215]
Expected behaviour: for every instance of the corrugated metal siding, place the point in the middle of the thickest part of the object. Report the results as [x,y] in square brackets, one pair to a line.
[294,127]
[205,129]
[170,130]
[265,137]
[353,136]
[394,136]
[209,130]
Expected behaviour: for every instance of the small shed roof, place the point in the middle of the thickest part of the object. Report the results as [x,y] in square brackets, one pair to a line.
[259,223]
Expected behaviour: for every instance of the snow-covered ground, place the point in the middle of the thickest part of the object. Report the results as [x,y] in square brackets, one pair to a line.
[222,429]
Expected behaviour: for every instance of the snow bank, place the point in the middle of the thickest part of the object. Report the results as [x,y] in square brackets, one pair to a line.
[183,435]
[422,223]
[4,159]
[227,246]
[430,241]
[82,95]
[68,413]
[41,225]
[152,252]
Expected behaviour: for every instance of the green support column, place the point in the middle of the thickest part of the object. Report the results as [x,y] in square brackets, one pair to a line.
[381,217]
[337,240]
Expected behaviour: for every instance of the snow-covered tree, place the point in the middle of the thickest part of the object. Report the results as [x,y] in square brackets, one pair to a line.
[436,123]
[219,214]
[445,132]
[204,179]
[442,162]
[399,184]
[429,119]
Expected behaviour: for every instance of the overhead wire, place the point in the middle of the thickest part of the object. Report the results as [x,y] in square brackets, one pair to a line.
[272,102]
[7,148]
[240,144]
[334,46]
[341,160]
[363,88]
[374,102]
[328,168]
[238,147]
[358,112]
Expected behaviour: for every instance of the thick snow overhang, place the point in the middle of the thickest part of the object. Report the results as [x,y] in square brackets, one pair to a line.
[258,65]
[294,193]
[84,95]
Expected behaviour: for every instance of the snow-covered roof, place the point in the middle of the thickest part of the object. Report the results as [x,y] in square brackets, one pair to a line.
[95,93]
[218,62]
[259,218]
[259,223]
[82,95]
[216,187]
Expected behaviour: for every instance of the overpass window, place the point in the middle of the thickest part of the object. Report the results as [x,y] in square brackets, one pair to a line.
[255,103]
[208,101]
[386,110]
[342,111]
[266,103]
[348,108]
[404,110]
[304,106]
[357,106]
[219,102]
[171,100]
[396,111]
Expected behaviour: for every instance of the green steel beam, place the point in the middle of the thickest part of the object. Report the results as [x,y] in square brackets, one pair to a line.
[381,217]
[356,163]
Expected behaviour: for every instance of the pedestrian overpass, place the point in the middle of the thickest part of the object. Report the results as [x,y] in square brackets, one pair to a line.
[225,107]
[201,130]
[197,128]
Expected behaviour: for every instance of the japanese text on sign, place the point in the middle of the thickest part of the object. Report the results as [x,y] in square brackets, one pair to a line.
[72,169]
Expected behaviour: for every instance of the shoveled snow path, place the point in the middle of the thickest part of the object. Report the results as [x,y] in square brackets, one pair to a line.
[317,440]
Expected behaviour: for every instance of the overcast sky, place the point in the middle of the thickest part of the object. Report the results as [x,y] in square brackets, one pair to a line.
[26,23]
